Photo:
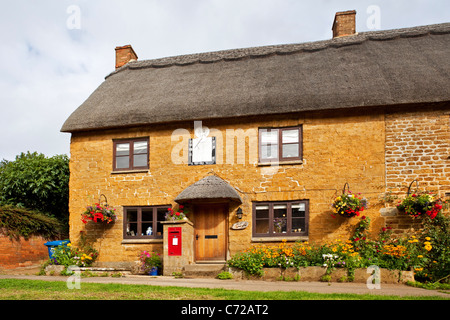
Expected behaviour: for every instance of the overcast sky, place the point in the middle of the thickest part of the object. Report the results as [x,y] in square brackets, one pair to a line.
[55,53]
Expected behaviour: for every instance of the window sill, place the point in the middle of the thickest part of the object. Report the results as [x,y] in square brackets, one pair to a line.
[274,163]
[131,171]
[141,241]
[278,238]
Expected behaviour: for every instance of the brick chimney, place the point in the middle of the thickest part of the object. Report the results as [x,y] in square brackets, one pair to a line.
[344,24]
[124,55]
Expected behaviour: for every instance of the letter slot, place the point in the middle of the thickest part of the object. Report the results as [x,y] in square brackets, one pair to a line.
[174,239]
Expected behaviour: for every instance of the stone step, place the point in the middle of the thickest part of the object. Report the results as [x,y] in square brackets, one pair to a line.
[208,270]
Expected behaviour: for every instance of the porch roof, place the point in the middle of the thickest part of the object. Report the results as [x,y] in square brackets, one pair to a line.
[209,188]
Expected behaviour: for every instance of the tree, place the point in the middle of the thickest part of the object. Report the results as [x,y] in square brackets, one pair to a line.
[36,182]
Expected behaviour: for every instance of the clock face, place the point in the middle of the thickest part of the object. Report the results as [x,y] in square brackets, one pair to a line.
[202,150]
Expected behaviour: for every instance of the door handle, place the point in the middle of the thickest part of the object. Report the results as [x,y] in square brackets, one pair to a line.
[196,237]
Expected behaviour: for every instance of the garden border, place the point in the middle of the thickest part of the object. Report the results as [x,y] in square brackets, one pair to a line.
[317,273]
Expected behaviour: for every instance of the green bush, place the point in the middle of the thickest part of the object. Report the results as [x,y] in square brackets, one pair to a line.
[36,182]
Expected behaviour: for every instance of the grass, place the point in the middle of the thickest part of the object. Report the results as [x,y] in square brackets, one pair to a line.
[18,289]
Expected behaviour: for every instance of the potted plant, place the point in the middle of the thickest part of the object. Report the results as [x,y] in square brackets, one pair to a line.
[151,262]
[420,204]
[172,215]
[348,204]
[99,213]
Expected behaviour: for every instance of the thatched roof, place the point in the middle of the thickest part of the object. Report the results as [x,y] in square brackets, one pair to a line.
[210,187]
[379,68]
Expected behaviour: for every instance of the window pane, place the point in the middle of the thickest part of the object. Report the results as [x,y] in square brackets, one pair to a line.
[298,210]
[122,149]
[279,225]
[147,215]
[122,162]
[279,211]
[262,226]
[160,216]
[140,147]
[147,229]
[290,136]
[140,160]
[298,225]
[262,212]
[131,215]
[269,151]
[269,137]
[290,150]
[132,229]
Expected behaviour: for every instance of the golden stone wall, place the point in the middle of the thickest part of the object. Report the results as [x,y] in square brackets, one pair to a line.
[338,147]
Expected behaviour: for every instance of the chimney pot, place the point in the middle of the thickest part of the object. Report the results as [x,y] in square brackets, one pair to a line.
[124,55]
[344,24]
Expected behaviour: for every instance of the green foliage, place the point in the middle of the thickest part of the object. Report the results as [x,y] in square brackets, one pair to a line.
[427,252]
[16,222]
[224,275]
[436,260]
[250,262]
[36,182]
[83,255]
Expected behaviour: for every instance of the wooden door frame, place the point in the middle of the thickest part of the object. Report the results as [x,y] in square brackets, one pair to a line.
[226,208]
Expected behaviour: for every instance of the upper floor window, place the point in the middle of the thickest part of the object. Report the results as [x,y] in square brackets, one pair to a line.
[131,154]
[280,144]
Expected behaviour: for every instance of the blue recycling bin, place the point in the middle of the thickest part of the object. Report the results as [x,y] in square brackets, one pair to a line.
[53,244]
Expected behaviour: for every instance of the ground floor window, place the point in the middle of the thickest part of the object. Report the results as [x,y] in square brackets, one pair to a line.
[274,219]
[144,222]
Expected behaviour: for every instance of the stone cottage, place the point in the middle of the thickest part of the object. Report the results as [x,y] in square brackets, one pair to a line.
[255,143]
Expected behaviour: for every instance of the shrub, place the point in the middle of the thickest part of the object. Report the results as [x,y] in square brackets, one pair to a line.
[17,222]
[36,182]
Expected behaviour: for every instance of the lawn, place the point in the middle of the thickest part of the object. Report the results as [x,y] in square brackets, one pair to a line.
[18,289]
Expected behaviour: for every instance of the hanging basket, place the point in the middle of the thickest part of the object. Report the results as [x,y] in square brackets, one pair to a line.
[348,205]
[420,203]
[99,212]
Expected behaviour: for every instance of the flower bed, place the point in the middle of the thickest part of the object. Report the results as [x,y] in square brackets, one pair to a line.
[426,253]
[317,273]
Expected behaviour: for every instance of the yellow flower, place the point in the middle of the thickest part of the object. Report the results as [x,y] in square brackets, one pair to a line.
[420,256]
[69,244]
[428,247]
[418,269]
[428,238]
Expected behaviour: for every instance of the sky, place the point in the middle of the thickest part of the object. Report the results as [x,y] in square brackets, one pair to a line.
[55,53]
